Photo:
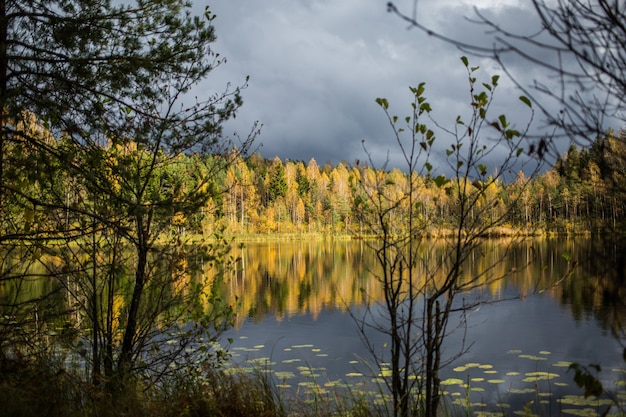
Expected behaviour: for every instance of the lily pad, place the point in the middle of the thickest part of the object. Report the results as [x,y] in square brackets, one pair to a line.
[585,412]
[284,374]
[452,381]
[496,381]
[533,357]
[354,374]
[521,390]
[539,376]
[582,401]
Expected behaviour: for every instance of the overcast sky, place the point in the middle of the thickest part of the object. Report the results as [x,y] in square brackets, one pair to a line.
[317,66]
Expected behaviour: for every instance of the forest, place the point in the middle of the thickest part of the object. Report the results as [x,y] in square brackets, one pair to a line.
[582,192]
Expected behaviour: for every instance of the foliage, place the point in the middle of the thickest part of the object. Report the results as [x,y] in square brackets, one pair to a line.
[100,176]
[421,291]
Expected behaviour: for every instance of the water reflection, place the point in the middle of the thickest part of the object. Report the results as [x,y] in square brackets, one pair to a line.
[283,279]
[293,299]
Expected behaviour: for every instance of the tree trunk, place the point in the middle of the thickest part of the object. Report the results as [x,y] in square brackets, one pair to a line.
[125,359]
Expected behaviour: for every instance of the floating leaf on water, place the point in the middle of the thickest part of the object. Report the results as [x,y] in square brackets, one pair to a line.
[514,352]
[353,362]
[385,372]
[485,366]
[477,379]
[580,412]
[503,405]
[378,381]
[496,381]
[259,346]
[316,350]
[455,394]
[287,350]
[562,364]
[618,370]
[460,369]
[545,352]
[291,360]
[539,376]
[512,373]
[243,337]
[354,374]
[302,346]
[545,394]
[580,400]
[561,384]
[620,383]
[472,365]
[490,371]
[533,357]
[477,389]
[283,386]
[308,368]
[322,355]
[284,374]
[452,381]
[521,390]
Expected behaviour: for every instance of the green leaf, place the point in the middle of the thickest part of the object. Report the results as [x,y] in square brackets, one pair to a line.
[503,123]
[519,152]
[441,180]
[567,256]
[428,166]
[382,102]
[465,61]
[420,89]
[494,80]
[526,101]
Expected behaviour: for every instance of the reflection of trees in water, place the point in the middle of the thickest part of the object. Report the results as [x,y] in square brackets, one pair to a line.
[600,287]
[289,278]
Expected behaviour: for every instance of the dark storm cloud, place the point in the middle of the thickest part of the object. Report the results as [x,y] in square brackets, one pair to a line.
[317,66]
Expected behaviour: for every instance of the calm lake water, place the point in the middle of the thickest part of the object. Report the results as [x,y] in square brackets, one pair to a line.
[564,304]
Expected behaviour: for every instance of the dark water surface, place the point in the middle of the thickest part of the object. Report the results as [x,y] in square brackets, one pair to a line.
[293,320]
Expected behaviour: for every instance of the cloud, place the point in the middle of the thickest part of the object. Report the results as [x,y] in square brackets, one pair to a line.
[317,66]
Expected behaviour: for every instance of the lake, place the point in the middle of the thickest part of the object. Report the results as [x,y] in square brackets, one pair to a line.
[564,303]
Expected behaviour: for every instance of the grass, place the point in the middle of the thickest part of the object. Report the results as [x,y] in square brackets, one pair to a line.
[42,388]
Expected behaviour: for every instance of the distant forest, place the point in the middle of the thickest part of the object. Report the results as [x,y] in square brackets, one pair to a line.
[585,191]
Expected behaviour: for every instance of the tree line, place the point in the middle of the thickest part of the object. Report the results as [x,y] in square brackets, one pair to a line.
[582,191]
